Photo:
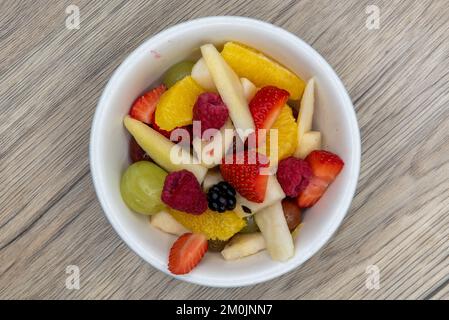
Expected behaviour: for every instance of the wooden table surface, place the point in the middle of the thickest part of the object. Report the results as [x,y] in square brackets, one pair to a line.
[52,77]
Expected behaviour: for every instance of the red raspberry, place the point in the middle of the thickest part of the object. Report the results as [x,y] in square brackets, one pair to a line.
[183,192]
[293,175]
[211,111]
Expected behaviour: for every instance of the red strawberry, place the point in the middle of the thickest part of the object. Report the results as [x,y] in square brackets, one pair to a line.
[186,253]
[136,153]
[165,133]
[243,173]
[266,106]
[312,193]
[143,108]
[180,136]
[325,165]
[325,168]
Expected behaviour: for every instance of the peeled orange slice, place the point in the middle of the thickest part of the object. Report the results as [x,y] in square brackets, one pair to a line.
[175,106]
[214,225]
[261,70]
[287,130]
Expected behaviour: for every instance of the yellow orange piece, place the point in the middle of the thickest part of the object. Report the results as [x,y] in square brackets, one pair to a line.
[214,225]
[261,70]
[175,106]
[287,129]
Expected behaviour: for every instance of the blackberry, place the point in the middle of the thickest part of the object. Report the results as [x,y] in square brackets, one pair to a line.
[221,197]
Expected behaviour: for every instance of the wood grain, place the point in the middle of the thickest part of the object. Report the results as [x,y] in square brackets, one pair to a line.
[51,79]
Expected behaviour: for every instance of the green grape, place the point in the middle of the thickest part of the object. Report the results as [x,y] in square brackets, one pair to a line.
[141,187]
[177,72]
[251,225]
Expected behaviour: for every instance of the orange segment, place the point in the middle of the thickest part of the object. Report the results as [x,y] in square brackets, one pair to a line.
[261,70]
[287,134]
[175,106]
[214,225]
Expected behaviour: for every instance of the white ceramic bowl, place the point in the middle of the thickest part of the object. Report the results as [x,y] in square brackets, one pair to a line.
[334,117]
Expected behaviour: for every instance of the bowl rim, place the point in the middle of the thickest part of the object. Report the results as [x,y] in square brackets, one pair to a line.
[298,42]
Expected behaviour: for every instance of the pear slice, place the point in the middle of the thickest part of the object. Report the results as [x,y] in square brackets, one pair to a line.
[200,73]
[230,89]
[212,178]
[274,194]
[278,239]
[211,152]
[243,245]
[162,150]
[249,89]
[310,141]
[165,222]
[306,110]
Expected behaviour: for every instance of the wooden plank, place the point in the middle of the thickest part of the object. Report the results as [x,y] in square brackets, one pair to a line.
[52,77]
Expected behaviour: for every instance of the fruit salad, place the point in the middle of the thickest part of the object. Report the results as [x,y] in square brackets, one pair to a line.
[224,156]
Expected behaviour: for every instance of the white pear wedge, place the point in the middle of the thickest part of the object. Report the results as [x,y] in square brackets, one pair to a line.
[230,89]
[212,178]
[165,222]
[306,110]
[249,89]
[164,152]
[243,245]
[211,152]
[200,73]
[271,222]
[310,141]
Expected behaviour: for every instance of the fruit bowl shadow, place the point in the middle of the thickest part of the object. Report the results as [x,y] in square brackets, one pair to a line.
[334,117]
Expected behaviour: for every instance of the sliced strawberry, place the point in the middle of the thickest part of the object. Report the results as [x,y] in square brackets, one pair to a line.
[325,168]
[167,134]
[244,175]
[136,153]
[312,193]
[143,108]
[186,253]
[325,165]
[266,106]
